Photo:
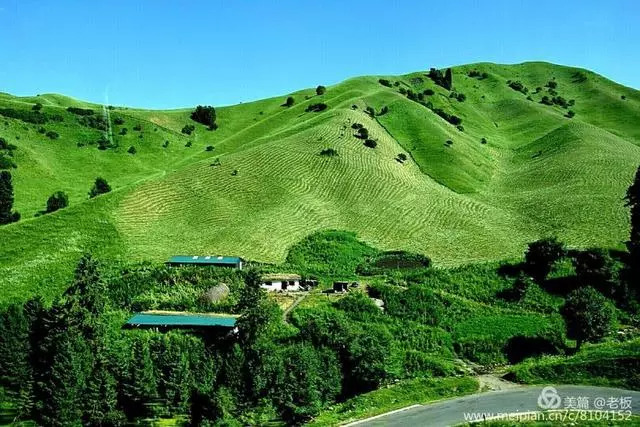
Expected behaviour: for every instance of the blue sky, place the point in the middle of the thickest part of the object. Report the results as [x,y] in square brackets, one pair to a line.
[165,54]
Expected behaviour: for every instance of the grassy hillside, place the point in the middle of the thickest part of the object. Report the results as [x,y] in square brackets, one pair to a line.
[539,172]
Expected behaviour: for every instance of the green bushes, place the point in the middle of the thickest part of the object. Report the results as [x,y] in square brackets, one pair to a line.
[289,102]
[588,314]
[477,74]
[188,129]
[518,86]
[209,148]
[132,150]
[542,255]
[81,111]
[371,143]
[205,115]
[29,116]
[316,108]
[384,82]
[329,152]
[52,135]
[362,132]
[56,201]
[99,187]
[95,122]
[546,100]
[393,260]
[442,79]
[123,131]
[118,121]
[551,84]
[320,90]
[451,118]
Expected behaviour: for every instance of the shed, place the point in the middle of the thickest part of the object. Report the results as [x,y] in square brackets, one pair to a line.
[340,286]
[206,261]
[281,282]
[181,319]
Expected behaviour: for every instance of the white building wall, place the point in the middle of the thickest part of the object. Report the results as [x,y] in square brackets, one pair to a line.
[276,285]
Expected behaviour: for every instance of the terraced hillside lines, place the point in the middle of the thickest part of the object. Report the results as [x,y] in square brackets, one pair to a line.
[519,169]
[284,190]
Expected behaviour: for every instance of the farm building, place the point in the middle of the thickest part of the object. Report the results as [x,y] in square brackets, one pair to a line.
[179,319]
[205,261]
[340,286]
[281,282]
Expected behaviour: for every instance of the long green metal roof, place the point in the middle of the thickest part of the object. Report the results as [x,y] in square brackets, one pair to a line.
[205,259]
[182,319]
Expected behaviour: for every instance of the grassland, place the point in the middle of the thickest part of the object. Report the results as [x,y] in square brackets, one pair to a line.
[539,173]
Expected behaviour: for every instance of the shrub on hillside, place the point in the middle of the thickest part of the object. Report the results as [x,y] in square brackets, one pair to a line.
[289,102]
[384,82]
[137,127]
[316,108]
[460,128]
[104,144]
[25,116]
[209,148]
[6,162]
[52,134]
[518,86]
[205,115]
[558,100]
[428,92]
[402,90]
[589,315]
[383,111]
[123,131]
[56,201]
[320,90]
[118,121]
[37,106]
[570,114]
[402,157]
[442,79]
[188,129]
[188,144]
[166,144]
[542,255]
[552,84]
[370,111]
[362,133]
[546,100]
[95,122]
[100,186]
[390,261]
[453,119]
[578,77]
[483,140]
[329,152]
[132,150]
[371,143]
[81,111]
[356,126]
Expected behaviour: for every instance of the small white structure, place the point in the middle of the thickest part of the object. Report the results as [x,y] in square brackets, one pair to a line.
[281,282]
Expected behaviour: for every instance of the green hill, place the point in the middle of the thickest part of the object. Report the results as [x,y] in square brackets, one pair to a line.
[455,198]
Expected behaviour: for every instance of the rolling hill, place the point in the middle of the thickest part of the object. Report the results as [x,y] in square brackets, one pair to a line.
[516,169]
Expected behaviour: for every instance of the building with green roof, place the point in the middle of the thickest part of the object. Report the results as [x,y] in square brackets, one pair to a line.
[180,319]
[205,260]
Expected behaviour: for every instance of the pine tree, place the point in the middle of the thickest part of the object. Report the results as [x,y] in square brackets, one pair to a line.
[6,199]
[101,400]
[448,79]
[139,386]
[633,245]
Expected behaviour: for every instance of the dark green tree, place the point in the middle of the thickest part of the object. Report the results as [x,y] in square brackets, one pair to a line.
[56,201]
[6,199]
[448,79]
[205,115]
[101,399]
[595,267]
[320,90]
[101,186]
[541,256]
[588,315]
[633,245]
[139,385]
[290,101]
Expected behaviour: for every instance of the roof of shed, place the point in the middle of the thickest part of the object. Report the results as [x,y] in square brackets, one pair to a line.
[180,318]
[204,259]
[280,276]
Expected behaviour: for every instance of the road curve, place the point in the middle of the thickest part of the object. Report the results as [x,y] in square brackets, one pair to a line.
[518,400]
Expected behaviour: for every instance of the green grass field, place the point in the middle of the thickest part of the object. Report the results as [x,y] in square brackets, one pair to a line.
[539,173]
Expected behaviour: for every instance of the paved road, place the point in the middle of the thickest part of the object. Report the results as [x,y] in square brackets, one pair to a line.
[523,399]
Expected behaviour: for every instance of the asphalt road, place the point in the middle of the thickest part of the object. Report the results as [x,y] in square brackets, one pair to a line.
[518,400]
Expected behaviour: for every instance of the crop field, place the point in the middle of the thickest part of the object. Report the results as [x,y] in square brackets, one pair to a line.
[514,170]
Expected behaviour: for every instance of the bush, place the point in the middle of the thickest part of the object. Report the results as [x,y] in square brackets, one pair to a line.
[362,133]
[316,108]
[483,140]
[205,115]
[6,162]
[81,111]
[370,111]
[461,97]
[137,127]
[402,157]
[118,121]
[52,135]
[104,144]
[56,201]
[428,92]
[384,82]
[460,128]
[518,86]
[454,120]
[329,152]
[588,314]
[37,106]
[289,102]
[570,114]
[552,84]
[188,129]
[441,79]
[166,144]
[101,186]
[95,122]
[383,111]
[546,100]
[26,116]
[371,143]
[558,100]
[542,255]
[123,131]
[209,148]
[132,150]
[402,90]
[320,90]
[188,144]
[356,126]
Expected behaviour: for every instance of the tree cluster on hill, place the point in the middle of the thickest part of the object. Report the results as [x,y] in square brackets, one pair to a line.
[316,108]
[442,79]
[93,121]
[100,186]
[451,118]
[30,116]
[205,115]
[57,201]
[518,86]
[188,129]
[81,111]
[320,90]
[6,154]
[477,74]
[384,82]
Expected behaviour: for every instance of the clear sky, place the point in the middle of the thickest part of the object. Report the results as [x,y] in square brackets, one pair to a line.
[165,54]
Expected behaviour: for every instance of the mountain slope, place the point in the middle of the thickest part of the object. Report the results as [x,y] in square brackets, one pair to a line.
[265,185]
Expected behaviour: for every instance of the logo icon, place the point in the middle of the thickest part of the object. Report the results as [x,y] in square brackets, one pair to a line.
[549,398]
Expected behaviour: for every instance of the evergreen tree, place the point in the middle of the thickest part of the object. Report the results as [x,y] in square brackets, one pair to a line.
[588,315]
[101,399]
[541,256]
[6,199]
[15,347]
[56,201]
[448,79]
[633,245]
[139,387]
